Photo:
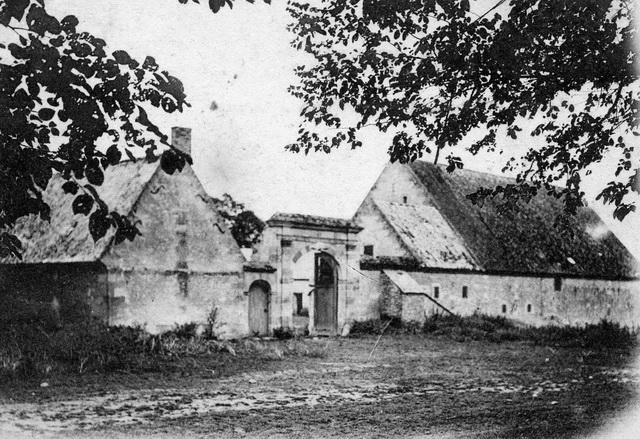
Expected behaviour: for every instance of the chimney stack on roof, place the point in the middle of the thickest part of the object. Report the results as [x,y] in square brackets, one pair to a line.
[181,139]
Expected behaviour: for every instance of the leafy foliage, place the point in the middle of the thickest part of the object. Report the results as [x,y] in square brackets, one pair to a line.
[245,226]
[435,73]
[69,105]
[216,5]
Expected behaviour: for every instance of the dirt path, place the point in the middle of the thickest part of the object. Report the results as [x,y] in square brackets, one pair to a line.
[437,392]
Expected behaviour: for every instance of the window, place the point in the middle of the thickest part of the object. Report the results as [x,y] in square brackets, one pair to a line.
[181,218]
[465,292]
[557,283]
[404,200]
[297,303]
[183,283]
[504,309]
[436,291]
[528,307]
[368,250]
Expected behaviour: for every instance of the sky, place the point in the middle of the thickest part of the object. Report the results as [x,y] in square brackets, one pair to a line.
[236,66]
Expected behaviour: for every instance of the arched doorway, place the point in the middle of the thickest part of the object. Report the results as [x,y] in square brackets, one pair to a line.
[259,293]
[326,293]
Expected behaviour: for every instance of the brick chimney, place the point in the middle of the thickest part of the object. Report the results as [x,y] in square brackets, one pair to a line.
[181,139]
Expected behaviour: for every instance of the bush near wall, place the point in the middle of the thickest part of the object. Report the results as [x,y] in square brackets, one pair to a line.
[500,329]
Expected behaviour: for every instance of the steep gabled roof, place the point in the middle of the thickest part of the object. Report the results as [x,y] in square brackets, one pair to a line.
[66,237]
[427,236]
[525,241]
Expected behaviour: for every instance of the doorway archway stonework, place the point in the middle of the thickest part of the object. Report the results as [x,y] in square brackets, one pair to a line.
[290,244]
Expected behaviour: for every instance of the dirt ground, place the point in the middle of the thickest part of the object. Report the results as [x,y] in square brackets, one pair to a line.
[413,386]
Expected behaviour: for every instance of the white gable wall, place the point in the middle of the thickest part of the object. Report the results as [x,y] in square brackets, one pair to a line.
[183,266]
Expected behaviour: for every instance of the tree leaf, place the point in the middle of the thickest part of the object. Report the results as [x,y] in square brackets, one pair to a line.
[113,155]
[171,161]
[70,187]
[82,204]
[99,224]
[46,114]
[94,173]
[121,57]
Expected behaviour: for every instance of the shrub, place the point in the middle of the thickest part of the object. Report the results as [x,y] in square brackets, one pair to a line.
[282,333]
[389,324]
[591,336]
[212,324]
[184,331]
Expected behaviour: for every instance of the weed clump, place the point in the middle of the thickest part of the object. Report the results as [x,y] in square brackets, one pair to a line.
[35,342]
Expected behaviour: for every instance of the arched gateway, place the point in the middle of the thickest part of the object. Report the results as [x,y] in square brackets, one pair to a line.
[312,254]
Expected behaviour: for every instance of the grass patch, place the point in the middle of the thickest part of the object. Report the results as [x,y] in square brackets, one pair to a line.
[499,329]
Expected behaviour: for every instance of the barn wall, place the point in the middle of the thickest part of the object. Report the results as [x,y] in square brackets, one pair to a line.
[183,266]
[579,301]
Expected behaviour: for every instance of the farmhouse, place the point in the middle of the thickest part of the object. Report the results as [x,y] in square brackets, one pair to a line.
[417,246]
[186,267]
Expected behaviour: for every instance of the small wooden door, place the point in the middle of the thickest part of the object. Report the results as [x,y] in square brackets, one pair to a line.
[259,309]
[326,293]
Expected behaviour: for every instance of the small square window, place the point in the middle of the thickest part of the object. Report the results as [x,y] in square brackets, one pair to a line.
[181,218]
[436,291]
[465,292]
[368,250]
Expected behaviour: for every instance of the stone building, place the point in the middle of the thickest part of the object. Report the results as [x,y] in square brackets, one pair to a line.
[428,248]
[417,246]
[186,266]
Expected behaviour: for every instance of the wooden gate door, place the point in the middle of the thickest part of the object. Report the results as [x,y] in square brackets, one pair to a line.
[326,294]
[258,309]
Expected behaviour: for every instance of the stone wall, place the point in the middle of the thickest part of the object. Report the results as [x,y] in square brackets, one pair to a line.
[531,300]
[390,299]
[80,289]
